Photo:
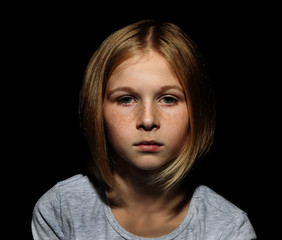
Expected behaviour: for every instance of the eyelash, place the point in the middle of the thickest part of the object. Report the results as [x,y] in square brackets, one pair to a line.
[125,100]
[173,99]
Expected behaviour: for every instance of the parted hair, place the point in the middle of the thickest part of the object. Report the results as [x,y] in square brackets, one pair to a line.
[182,54]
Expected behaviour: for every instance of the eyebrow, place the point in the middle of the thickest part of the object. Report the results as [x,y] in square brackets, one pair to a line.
[168,87]
[129,89]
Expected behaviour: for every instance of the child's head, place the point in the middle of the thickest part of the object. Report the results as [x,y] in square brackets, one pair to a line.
[139,43]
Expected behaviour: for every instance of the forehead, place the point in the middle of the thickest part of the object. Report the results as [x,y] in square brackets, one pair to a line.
[141,67]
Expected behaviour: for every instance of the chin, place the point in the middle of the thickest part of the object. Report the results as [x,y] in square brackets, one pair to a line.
[147,165]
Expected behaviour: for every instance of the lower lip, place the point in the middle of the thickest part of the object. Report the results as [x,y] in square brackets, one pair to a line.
[149,148]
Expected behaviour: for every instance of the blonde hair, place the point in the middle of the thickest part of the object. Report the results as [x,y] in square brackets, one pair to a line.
[182,54]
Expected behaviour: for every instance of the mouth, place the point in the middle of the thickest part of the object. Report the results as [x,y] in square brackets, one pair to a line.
[148,146]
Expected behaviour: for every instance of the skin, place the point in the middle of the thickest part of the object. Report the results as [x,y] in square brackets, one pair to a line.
[147,122]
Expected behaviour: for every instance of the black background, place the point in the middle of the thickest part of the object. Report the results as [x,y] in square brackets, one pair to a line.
[47,48]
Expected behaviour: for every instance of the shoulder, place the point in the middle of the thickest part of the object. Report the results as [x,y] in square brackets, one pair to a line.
[215,202]
[220,216]
[66,203]
[77,188]
[68,198]
[77,185]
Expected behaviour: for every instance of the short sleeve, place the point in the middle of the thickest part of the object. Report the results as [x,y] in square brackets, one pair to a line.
[239,229]
[46,219]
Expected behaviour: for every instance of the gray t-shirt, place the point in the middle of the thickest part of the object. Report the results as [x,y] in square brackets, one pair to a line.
[72,209]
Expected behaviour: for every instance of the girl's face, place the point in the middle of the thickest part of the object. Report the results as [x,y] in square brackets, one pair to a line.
[145,112]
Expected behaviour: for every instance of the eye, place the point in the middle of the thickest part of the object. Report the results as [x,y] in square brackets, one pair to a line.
[126,100]
[169,100]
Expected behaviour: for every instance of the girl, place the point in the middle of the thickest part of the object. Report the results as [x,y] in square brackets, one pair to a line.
[147,110]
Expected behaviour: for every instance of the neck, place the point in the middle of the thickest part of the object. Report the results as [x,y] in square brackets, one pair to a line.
[135,191]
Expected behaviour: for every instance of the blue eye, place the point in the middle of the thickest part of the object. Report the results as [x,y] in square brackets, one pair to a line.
[125,100]
[168,100]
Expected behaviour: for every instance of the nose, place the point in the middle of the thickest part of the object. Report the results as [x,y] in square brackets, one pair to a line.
[148,117]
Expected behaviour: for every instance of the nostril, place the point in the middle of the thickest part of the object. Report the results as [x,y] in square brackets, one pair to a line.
[147,127]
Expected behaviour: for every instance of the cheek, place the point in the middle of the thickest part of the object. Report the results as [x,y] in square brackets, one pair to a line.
[177,126]
[177,120]
[117,124]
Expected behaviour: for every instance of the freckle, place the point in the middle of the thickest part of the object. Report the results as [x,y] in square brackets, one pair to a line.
[122,120]
[176,118]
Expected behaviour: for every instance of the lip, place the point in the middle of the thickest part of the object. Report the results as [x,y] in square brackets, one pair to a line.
[149,146]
